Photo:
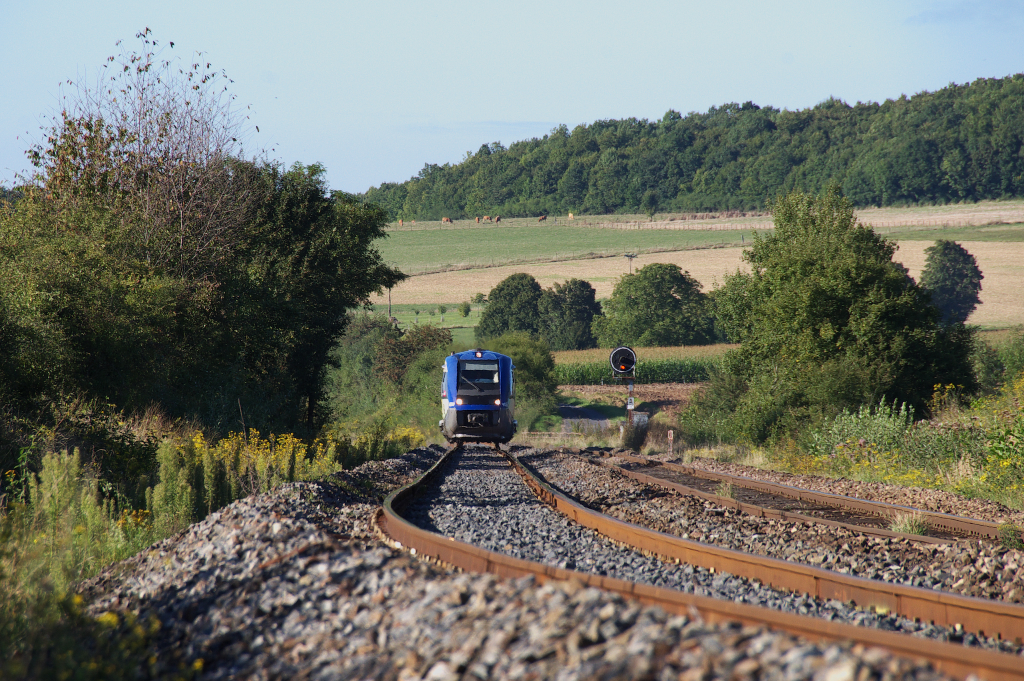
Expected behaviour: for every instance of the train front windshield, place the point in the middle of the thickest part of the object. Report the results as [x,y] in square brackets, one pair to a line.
[479,376]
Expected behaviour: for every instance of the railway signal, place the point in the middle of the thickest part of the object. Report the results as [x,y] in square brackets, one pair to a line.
[623,361]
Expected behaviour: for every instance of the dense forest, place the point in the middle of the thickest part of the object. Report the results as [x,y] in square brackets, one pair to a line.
[960,143]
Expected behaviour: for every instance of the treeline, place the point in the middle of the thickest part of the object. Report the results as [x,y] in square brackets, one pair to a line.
[960,143]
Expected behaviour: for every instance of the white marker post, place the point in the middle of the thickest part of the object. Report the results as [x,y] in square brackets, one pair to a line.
[670,443]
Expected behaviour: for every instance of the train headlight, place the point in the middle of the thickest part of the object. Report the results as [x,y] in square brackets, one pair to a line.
[497,403]
[458,400]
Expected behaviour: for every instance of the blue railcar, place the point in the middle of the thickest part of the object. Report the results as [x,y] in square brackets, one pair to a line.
[478,397]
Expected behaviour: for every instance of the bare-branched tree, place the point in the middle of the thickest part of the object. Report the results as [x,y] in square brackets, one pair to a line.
[162,143]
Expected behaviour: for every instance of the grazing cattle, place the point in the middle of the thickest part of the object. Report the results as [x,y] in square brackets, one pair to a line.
[478,221]
[399,222]
[542,218]
[446,221]
[497,218]
[570,216]
[487,217]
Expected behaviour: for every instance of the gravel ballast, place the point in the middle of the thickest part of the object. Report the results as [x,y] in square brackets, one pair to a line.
[292,584]
[970,567]
[482,501]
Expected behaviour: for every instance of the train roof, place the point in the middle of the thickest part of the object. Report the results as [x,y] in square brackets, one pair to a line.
[478,353]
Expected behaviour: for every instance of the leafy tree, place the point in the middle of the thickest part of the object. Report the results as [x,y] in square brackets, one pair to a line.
[9,197]
[512,306]
[953,277]
[649,203]
[465,309]
[657,305]
[352,384]
[396,352]
[567,312]
[313,259]
[828,321]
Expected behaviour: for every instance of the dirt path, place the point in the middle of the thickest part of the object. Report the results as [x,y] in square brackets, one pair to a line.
[580,419]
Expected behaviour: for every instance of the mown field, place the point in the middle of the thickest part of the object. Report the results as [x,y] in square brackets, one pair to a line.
[553,253]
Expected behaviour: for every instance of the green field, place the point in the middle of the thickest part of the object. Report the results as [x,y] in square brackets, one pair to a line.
[419,251]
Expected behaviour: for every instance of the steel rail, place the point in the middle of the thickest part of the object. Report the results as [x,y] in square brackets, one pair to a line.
[952,659]
[764,511]
[955,523]
[978,615]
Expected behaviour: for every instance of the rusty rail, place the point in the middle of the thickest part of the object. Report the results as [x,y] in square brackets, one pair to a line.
[979,615]
[763,511]
[952,659]
[975,526]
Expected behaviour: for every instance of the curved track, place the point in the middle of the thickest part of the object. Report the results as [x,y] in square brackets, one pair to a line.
[972,614]
[773,500]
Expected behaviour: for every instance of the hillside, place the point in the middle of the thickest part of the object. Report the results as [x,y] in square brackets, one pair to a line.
[962,142]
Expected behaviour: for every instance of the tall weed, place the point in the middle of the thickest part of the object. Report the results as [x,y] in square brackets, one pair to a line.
[62,524]
[885,426]
[975,451]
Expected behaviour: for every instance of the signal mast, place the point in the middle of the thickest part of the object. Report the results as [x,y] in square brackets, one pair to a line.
[623,361]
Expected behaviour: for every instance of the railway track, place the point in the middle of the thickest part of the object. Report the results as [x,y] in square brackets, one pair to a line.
[510,548]
[784,502]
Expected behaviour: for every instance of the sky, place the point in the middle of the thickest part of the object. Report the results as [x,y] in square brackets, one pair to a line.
[374,90]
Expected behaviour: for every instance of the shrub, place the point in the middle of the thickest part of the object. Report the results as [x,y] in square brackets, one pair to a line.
[1010,536]
[709,419]
[1011,354]
[989,369]
[1004,456]
[885,426]
[535,375]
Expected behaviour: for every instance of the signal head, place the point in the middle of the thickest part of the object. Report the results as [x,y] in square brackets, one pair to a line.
[623,360]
